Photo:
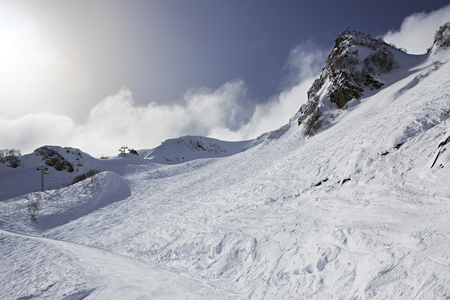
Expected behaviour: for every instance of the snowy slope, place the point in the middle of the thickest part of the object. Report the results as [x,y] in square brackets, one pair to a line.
[359,210]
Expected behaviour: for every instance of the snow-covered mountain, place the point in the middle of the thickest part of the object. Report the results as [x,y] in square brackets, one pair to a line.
[352,201]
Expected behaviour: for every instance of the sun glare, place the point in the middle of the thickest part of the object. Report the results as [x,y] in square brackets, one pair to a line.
[22,51]
[27,62]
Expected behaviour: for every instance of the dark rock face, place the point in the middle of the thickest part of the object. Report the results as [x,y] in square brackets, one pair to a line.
[132,151]
[54,159]
[350,71]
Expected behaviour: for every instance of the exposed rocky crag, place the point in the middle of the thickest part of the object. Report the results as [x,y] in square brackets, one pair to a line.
[441,38]
[354,65]
[54,159]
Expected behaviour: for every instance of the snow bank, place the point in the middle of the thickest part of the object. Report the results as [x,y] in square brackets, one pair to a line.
[46,210]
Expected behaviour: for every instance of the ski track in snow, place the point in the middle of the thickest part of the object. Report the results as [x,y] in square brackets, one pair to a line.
[354,212]
[108,275]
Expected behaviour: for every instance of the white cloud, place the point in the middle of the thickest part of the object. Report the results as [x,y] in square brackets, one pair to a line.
[304,61]
[303,66]
[117,120]
[269,116]
[224,113]
[36,129]
[417,31]
[223,108]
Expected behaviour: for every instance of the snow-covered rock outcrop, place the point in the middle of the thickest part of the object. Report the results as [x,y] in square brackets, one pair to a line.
[441,39]
[354,66]
[58,158]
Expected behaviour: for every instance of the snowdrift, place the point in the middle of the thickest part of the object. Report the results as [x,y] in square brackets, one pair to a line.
[46,210]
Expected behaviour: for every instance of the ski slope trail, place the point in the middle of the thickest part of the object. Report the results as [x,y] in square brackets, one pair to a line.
[352,212]
[92,273]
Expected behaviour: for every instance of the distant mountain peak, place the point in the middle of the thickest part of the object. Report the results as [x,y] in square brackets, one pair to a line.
[187,148]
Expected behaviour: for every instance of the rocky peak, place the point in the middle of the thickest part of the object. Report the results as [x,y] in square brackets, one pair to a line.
[353,66]
[441,38]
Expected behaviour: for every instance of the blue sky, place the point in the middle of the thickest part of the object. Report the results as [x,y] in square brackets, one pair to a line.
[183,44]
[64,59]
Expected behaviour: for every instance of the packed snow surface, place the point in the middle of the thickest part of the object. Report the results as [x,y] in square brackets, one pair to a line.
[360,210]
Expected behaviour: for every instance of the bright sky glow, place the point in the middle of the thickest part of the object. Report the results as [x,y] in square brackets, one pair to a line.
[22,52]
